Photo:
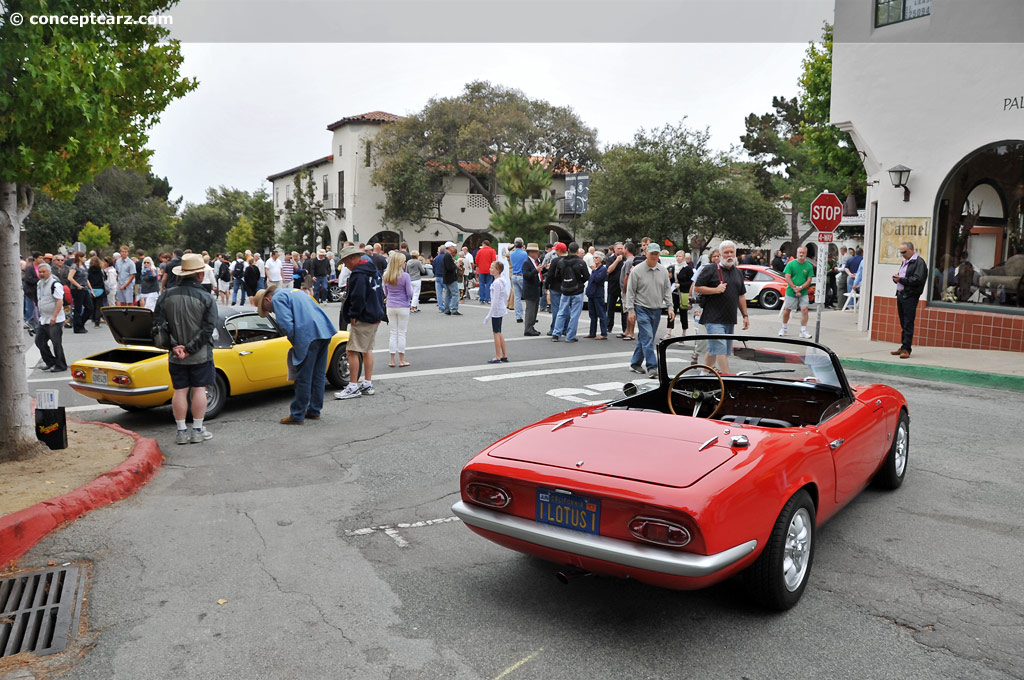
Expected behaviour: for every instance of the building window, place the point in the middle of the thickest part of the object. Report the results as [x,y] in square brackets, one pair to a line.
[339,151]
[893,11]
[978,256]
[341,189]
[369,145]
[277,196]
[325,186]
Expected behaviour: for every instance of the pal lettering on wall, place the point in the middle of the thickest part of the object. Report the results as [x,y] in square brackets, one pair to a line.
[896,230]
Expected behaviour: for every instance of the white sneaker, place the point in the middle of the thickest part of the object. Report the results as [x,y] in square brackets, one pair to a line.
[366,388]
[182,437]
[199,436]
[350,392]
[806,335]
[782,332]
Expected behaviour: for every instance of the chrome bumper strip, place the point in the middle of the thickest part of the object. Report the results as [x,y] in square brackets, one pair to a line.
[119,391]
[617,551]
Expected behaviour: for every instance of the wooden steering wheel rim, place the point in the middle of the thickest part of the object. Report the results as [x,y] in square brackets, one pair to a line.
[672,387]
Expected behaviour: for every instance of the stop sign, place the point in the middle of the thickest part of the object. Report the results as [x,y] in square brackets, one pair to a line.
[826,212]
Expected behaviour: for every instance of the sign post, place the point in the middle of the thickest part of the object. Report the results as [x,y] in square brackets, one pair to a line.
[826,213]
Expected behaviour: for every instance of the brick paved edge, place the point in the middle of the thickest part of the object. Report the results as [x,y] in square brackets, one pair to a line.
[959,376]
[20,531]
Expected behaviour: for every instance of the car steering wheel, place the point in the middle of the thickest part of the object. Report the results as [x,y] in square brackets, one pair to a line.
[698,396]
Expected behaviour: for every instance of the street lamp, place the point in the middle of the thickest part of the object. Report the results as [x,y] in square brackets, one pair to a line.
[900,175]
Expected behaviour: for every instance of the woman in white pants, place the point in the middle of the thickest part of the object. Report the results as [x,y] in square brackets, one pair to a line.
[398,289]
[416,271]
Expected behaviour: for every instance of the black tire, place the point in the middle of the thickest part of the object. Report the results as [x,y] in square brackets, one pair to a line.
[771,577]
[337,369]
[770,299]
[216,397]
[894,469]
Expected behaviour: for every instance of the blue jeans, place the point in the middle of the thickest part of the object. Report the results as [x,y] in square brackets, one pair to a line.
[237,290]
[719,347]
[262,283]
[439,292]
[597,312]
[556,301]
[30,313]
[517,291]
[451,296]
[310,381]
[485,280]
[647,321]
[321,289]
[569,309]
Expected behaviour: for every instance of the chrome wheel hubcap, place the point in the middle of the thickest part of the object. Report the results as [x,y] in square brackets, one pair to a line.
[796,558]
[900,453]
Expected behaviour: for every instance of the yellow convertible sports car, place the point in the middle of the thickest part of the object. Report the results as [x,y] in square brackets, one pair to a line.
[249,352]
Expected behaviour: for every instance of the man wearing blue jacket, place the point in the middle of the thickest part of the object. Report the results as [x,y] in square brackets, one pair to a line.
[310,330]
[364,310]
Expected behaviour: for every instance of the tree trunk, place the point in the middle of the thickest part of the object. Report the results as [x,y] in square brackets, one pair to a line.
[17,427]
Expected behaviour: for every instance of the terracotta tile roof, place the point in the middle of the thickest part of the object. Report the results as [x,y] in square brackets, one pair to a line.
[311,164]
[371,117]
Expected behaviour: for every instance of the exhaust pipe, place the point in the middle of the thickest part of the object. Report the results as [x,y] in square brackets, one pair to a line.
[570,575]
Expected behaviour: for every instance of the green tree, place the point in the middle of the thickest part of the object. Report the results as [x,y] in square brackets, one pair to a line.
[241,236]
[464,136]
[260,210]
[73,101]
[669,185]
[204,227]
[95,237]
[302,214]
[798,153]
[529,201]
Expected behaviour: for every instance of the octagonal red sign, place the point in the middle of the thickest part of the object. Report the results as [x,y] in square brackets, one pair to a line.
[826,211]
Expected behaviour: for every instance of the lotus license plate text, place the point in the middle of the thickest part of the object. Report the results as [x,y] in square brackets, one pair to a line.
[99,376]
[565,510]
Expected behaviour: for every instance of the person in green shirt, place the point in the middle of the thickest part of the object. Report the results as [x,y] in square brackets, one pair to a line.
[799,275]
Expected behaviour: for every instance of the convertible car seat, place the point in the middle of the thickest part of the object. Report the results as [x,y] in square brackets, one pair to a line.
[756,421]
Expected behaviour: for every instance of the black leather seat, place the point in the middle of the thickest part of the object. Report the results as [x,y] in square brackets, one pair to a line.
[756,421]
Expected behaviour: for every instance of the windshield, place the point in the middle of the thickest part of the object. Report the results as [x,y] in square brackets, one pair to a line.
[756,357]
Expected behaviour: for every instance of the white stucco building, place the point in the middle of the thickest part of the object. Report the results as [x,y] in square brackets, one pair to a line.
[935,86]
[343,185]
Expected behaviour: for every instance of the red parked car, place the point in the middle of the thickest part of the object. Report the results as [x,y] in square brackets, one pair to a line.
[702,477]
[765,286]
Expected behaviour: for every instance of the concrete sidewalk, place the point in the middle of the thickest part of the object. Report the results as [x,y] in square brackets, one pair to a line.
[980,368]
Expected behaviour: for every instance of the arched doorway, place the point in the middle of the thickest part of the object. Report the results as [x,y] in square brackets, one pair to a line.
[474,241]
[388,240]
[978,251]
[340,243]
[562,235]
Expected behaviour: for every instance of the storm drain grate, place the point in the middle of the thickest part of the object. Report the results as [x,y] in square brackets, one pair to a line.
[39,610]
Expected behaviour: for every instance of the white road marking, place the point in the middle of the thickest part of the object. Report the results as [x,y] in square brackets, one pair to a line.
[498,367]
[533,374]
[452,344]
[518,664]
[39,380]
[391,530]
[91,407]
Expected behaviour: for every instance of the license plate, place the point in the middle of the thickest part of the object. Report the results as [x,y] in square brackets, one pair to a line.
[569,511]
[99,376]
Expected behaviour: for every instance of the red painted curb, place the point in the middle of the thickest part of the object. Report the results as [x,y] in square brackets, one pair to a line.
[21,530]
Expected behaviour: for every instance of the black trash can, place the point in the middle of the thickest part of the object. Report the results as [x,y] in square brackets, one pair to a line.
[52,427]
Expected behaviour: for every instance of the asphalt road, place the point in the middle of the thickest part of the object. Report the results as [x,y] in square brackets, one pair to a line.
[338,556]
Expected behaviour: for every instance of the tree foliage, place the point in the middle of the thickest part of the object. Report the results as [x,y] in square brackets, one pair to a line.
[260,211]
[798,153]
[529,206]
[74,100]
[303,216]
[204,226]
[669,185]
[241,236]
[464,136]
[95,237]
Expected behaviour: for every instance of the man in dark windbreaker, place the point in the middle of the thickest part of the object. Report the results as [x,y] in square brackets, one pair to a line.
[363,310]
[187,314]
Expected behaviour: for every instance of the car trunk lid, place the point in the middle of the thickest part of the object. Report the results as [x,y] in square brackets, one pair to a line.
[130,325]
[655,448]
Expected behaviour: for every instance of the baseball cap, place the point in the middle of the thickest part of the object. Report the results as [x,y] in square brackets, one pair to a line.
[448,245]
[654,248]
[561,247]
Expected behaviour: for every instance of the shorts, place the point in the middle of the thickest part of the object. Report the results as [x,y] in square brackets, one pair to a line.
[184,376]
[719,347]
[361,336]
[794,303]
[127,295]
[496,324]
[223,286]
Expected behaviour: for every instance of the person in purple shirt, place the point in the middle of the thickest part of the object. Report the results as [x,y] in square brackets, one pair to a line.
[398,291]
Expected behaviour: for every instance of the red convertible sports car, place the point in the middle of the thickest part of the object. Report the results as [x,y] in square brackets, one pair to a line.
[707,475]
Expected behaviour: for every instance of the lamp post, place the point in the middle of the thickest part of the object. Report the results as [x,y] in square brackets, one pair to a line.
[900,175]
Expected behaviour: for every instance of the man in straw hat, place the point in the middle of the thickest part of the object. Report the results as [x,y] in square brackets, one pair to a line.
[187,314]
[310,330]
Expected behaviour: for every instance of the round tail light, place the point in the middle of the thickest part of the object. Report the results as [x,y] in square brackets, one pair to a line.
[78,374]
[488,495]
[122,380]
[659,531]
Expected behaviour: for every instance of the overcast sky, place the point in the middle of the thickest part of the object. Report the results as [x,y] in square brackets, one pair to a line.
[263,108]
